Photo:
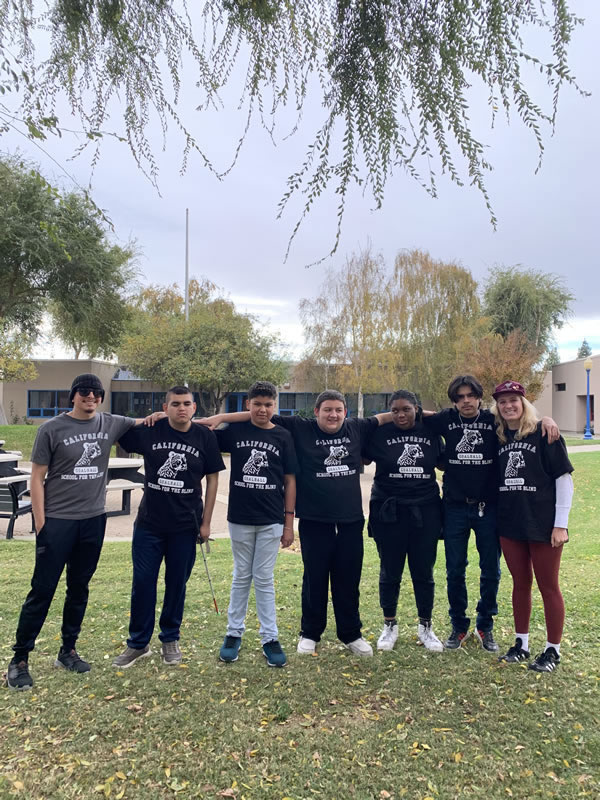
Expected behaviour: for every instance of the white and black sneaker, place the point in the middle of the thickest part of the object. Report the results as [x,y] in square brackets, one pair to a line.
[428,638]
[389,635]
[547,661]
[515,654]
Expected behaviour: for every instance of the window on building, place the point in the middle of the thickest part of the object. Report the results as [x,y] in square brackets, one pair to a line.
[47,402]
[291,403]
[560,387]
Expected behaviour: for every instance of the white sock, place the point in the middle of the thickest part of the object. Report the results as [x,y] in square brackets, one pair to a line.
[524,637]
[555,646]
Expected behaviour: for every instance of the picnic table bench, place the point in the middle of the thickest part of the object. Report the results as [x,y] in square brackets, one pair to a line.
[126,487]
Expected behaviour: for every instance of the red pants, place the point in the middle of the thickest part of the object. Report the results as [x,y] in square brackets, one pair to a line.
[523,559]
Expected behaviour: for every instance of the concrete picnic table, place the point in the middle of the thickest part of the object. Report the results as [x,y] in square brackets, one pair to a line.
[9,463]
[123,476]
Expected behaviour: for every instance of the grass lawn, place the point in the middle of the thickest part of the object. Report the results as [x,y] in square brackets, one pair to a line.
[574,441]
[402,724]
[19,437]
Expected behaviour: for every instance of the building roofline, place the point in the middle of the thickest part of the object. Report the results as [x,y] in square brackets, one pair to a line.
[574,360]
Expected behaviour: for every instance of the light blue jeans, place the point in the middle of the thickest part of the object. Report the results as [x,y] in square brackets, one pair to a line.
[254,549]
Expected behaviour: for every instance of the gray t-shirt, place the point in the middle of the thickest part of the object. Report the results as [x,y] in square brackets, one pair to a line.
[76,452]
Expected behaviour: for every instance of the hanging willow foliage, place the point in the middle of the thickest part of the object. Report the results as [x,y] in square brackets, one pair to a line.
[395,77]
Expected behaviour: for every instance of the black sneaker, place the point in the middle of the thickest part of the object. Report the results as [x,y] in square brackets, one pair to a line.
[274,654]
[547,661]
[456,639]
[18,676]
[515,654]
[230,649]
[487,641]
[71,660]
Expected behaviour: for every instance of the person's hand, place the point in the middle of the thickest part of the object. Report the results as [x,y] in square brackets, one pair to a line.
[287,537]
[39,524]
[151,419]
[559,536]
[203,533]
[550,429]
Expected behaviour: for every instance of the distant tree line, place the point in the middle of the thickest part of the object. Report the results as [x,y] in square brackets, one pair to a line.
[421,321]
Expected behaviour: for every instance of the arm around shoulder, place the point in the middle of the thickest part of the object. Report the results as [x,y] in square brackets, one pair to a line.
[218,419]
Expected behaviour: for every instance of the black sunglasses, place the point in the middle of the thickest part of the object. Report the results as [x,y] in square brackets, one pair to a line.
[85,390]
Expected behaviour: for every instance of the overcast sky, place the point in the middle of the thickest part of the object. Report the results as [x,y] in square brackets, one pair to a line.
[548,221]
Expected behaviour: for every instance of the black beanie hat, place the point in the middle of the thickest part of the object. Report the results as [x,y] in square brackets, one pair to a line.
[87,380]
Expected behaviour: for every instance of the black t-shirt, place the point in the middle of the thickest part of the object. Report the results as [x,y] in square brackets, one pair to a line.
[328,484]
[470,454]
[260,457]
[174,463]
[405,463]
[527,473]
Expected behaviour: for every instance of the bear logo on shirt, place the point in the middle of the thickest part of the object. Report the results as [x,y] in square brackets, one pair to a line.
[258,460]
[470,439]
[91,450]
[336,453]
[515,463]
[409,456]
[176,462]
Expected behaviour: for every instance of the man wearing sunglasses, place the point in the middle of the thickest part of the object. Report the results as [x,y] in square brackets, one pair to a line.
[68,489]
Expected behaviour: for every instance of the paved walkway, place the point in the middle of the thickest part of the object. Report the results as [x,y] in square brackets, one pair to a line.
[121,528]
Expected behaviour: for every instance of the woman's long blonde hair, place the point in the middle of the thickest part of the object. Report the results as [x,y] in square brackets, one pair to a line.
[527,423]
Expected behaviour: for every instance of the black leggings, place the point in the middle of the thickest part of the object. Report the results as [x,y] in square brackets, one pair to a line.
[415,534]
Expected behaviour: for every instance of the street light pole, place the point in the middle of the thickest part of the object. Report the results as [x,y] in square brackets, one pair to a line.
[588,366]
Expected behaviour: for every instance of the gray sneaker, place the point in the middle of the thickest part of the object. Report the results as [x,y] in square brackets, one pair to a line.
[170,652]
[130,655]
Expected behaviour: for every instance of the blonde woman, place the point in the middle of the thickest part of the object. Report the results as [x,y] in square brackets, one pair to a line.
[534,500]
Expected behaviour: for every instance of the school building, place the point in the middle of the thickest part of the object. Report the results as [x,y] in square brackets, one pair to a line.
[563,396]
[48,394]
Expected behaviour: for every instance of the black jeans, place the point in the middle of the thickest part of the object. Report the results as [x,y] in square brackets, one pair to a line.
[415,535]
[75,544]
[331,551]
[148,550]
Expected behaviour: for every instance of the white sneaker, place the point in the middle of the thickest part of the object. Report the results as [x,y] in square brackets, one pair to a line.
[388,637]
[428,638]
[360,647]
[306,647]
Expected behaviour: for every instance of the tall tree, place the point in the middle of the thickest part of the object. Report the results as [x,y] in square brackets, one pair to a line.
[494,359]
[394,77]
[528,300]
[217,351]
[14,362]
[56,256]
[345,326]
[584,350]
[434,308]
[552,359]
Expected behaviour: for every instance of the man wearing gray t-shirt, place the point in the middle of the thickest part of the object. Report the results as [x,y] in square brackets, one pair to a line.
[68,487]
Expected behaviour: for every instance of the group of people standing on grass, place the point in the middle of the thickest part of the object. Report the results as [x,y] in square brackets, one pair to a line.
[506,478]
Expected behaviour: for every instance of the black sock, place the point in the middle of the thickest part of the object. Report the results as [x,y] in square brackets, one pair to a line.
[390,622]
[425,622]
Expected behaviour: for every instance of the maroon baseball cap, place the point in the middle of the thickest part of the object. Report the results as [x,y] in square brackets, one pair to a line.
[508,387]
